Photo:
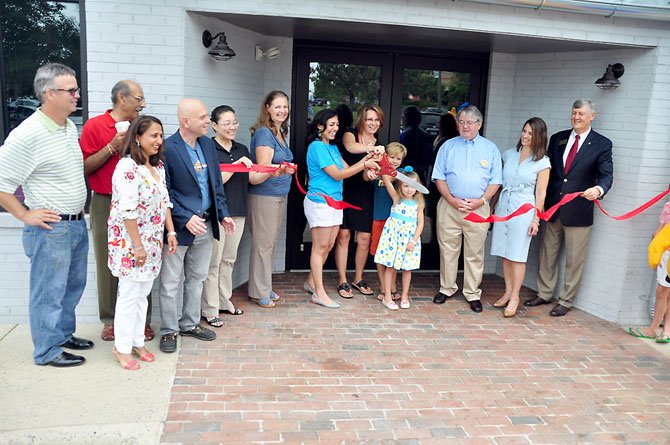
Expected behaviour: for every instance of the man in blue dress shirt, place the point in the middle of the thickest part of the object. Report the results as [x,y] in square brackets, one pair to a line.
[467,173]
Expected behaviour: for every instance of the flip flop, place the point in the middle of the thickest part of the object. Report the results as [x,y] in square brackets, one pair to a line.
[215,322]
[235,312]
[663,339]
[635,332]
[274,296]
[344,287]
[362,285]
[266,303]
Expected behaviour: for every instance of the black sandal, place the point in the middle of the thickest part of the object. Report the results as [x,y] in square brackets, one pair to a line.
[362,285]
[344,287]
[215,322]
[236,312]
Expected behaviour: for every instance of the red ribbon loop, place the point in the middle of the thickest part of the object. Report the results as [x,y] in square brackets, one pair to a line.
[241,168]
[546,215]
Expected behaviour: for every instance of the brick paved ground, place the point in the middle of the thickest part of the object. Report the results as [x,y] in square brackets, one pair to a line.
[432,374]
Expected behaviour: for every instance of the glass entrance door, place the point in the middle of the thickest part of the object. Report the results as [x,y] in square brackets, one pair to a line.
[434,84]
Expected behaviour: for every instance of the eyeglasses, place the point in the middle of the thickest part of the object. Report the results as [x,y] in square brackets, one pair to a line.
[229,124]
[73,91]
[137,98]
[467,123]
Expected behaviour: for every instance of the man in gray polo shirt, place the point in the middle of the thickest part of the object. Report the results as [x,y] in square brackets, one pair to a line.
[42,154]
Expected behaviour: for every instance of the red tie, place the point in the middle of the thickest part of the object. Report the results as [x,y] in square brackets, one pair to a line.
[572,154]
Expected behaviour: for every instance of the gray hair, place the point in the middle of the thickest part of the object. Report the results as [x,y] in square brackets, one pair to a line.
[123,87]
[471,110]
[579,103]
[46,75]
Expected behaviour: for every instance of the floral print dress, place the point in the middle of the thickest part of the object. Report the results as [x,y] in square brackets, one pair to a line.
[399,228]
[137,195]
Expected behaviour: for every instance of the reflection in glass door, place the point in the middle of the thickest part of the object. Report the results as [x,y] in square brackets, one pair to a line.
[326,75]
[333,84]
[435,96]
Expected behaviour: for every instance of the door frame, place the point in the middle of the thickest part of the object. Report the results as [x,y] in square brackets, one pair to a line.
[392,60]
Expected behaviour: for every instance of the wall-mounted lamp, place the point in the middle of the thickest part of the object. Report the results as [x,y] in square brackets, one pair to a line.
[271,53]
[221,50]
[610,79]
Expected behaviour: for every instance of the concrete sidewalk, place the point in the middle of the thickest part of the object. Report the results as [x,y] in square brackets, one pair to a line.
[96,403]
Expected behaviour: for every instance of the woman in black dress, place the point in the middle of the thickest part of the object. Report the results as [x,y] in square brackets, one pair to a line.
[355,144]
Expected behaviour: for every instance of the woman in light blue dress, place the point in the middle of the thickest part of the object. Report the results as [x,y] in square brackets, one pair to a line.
[525,177]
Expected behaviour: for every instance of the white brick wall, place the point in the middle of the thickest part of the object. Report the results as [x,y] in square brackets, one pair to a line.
[157,43]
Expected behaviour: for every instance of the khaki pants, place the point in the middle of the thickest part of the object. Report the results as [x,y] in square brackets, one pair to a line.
[218,286]
[452,231]
[107,283]
[266,215]
[576,239]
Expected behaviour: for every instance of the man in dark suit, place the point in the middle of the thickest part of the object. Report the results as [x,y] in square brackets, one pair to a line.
[196,192]
[581,160]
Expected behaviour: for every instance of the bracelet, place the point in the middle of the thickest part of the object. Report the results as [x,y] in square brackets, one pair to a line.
[172,234]
[363,164]
[484,199]
[412,241]
[138,248]
[109,147]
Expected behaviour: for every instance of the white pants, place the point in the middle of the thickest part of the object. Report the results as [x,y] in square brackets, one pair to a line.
[130,314]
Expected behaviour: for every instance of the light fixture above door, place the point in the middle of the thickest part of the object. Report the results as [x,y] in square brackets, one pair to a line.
[221,50]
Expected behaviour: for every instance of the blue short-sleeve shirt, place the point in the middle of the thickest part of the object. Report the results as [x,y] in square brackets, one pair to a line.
[274,185]
[468,167]
[320,156]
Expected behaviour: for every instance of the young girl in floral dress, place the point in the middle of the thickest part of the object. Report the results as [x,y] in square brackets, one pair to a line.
[400,243]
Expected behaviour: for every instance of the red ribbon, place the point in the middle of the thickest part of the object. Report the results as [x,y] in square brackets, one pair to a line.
[546,215]
[241,168]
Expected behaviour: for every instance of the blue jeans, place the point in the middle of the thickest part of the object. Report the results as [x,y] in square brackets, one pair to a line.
[58,262]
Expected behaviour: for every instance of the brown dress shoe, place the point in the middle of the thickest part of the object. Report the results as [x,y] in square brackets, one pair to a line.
[559,310]
[537,301]
[107,332]
[148,333]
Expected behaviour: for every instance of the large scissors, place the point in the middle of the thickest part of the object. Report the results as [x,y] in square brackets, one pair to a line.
[387,169]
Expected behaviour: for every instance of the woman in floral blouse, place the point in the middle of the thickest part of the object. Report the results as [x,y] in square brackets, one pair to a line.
[139,214]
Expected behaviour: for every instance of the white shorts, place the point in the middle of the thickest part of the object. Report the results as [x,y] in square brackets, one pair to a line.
[662,270]
[320,214]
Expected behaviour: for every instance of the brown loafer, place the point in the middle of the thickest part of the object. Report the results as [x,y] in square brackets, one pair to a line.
[148,333]
[107,332]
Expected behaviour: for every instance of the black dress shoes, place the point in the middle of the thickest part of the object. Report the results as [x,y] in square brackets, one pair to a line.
[77,343]
[65,360]
[537,301]
[440,298]
[475,305]
[559,311]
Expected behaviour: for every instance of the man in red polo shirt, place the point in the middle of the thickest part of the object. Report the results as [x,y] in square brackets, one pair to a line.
[101,139]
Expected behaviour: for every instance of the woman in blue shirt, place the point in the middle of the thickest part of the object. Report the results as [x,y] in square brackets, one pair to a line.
[326,170]
[267,200]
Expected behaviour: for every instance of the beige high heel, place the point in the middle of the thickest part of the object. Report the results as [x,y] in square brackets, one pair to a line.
[501,302]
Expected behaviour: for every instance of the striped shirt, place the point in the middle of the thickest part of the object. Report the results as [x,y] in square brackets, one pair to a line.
[46,160]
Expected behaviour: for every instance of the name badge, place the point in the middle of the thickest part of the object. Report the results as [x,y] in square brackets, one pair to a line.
[563,142]
[484,163]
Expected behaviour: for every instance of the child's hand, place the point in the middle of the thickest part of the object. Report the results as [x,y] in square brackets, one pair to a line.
[371,174]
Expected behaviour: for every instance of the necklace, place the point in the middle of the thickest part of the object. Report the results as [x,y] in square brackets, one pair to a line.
[367,143]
